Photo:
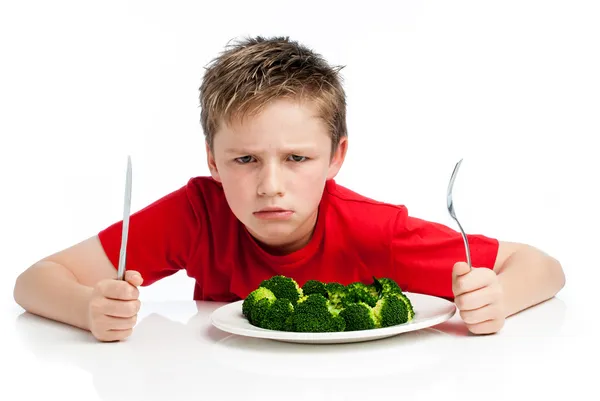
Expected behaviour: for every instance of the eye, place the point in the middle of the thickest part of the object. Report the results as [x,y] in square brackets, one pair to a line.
[297,158]
[243,159]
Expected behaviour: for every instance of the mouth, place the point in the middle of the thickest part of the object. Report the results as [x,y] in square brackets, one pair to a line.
[273,213]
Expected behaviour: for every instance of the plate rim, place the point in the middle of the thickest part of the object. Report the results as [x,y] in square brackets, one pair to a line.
[258,332]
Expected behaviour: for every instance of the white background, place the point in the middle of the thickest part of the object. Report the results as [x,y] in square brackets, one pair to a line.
[512,87]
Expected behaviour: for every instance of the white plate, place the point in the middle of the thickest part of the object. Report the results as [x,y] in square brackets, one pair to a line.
[429,311]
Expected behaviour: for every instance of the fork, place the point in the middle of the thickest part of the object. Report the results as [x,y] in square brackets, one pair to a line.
[453,214]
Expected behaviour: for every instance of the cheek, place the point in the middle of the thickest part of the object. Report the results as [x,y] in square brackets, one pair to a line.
[308,184]
[236,185]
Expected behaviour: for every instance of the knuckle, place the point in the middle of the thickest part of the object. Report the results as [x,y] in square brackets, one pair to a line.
[122,290]
[97,304]
[122,334]
[102,335]
[104,287]
[131,309]
[460,302]
[466,317]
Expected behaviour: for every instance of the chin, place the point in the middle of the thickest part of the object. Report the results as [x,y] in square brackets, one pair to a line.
[273,232]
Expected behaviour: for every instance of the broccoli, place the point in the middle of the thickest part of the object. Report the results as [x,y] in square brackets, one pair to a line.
[388,286]
[283,287]
[313,315]
[314,287]
[409,306]
[280,304]
[390,310]
[276,314]
[358,316]
[253,298]
[337,295]
[259,311]
[359,292]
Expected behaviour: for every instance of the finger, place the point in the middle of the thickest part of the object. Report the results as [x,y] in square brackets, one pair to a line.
[477,299]
[487,327]
[474,280]
[120,323]
[476,316]
[134,278]
[117,308]
[114,335]
[119,289]
[460,269]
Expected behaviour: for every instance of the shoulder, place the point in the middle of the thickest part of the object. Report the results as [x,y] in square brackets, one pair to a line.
[346,200]
[189,203]
[362,219]
[203,191]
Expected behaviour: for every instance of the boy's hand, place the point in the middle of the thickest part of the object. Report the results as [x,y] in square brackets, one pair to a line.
[114,306]
[479,298]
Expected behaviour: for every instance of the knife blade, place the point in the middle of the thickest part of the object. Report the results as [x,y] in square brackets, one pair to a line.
[125,229]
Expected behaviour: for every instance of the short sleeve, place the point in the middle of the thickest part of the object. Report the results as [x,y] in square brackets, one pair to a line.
[160,238]
[424,253]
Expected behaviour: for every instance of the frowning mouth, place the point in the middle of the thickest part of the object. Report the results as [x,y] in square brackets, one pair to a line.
[273,213]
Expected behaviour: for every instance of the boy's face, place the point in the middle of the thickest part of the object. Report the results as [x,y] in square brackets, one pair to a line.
[273,168]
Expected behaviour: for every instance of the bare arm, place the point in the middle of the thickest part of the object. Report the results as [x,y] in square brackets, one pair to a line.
[527,276]
[60,286]
[523,276]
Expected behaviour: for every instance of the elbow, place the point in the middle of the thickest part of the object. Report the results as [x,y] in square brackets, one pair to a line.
[19,290]
[22,291]
[555,275]
[560,273]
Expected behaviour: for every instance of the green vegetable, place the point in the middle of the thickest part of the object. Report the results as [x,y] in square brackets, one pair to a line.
[276,315]
[283,287]
[314,287]
[358,316]
[252,299]
[359,292]
[389,286]
[314,314]
[319,307]
[337,294]
[390,310]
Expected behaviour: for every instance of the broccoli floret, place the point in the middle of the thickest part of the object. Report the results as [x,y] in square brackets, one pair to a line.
[314,287]
[253,298]
[409,305]
[372,289]
[313,315]
[360,292]
[284,287]
[337,295]
[389,286]
[260,310]
[390,310]
[358,316]
[274,318]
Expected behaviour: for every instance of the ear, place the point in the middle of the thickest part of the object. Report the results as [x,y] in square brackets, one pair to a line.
[338,158]
[212,164]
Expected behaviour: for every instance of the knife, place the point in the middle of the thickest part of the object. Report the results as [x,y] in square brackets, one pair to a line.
[126,212]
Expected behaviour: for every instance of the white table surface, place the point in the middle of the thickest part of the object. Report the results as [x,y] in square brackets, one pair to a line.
[176,354]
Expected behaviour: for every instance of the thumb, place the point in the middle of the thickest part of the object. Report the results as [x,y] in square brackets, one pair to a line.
[134,278]
[460,269]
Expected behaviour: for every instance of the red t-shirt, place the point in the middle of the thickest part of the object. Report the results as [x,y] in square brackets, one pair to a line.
[355,238]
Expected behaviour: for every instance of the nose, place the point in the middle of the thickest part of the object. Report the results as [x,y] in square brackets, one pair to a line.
[270,181]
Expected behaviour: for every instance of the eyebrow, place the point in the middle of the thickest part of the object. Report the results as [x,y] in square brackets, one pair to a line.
[290,149]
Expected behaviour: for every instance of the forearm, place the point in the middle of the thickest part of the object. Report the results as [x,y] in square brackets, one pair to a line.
[51,290]
[527,278]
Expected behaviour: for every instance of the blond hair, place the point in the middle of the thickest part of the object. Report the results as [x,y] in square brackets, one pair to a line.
[250,73]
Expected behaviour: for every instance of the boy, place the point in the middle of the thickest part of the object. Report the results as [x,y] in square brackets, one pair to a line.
[274,116]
